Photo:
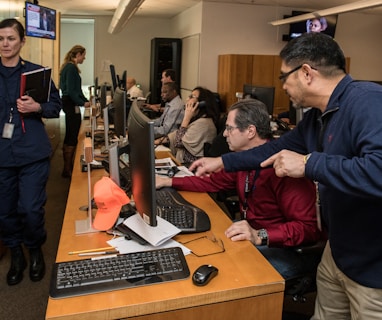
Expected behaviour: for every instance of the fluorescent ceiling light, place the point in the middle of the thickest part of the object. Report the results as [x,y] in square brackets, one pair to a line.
[358,5]
[123,13]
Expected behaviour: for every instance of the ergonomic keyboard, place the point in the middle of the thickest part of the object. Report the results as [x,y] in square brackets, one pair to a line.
[172,207]
[81,277]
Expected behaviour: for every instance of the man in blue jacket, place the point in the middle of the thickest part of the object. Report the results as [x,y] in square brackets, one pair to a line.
[338,144]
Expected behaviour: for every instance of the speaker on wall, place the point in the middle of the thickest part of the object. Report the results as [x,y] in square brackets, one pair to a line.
[165,54]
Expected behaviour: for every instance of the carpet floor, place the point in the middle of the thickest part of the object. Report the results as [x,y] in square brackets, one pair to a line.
[28,300]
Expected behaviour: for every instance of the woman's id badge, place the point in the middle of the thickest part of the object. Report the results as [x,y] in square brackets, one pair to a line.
[8,130]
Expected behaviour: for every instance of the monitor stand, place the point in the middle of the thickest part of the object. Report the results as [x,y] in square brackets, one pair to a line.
[86,225]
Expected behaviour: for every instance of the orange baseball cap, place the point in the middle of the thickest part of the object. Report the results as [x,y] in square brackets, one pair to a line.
[109,198]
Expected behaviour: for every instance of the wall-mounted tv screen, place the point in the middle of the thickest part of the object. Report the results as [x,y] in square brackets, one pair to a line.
[40,21]
[325,25]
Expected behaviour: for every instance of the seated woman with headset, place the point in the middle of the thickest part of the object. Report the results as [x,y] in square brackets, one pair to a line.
[198,126]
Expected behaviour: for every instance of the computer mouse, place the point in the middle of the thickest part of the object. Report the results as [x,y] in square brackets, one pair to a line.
[204,274]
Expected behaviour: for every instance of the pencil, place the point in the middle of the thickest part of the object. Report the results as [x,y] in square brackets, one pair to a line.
[97,253]
[92,250]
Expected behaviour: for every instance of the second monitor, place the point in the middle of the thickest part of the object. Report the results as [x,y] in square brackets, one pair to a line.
[265,94]
[142,163]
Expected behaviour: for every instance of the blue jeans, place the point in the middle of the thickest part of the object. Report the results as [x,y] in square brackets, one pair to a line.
[290,263]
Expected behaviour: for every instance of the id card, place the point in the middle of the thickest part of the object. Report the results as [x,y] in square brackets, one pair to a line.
[8,130]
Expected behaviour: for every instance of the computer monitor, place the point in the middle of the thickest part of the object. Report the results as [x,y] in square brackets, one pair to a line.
[103,96]
[265,94]
[106,127]
[142,163]
[114,163]
[119,114]
[122,83]
[114,80]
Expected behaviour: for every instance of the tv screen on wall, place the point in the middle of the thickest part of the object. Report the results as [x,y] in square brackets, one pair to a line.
[325,25]
[40,21]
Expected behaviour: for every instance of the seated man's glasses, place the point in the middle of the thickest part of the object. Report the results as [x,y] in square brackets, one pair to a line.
[229,128]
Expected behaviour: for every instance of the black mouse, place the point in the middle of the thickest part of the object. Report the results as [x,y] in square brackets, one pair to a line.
[204,274]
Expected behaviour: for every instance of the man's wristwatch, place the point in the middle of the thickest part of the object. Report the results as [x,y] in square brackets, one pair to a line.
[263,235]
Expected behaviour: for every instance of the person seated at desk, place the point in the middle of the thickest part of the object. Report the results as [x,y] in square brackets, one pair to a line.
[168,75]
[198,126]
[132,91]
[172,115]
[279,213]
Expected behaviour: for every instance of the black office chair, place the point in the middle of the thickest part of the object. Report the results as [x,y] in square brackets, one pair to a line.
[299,286]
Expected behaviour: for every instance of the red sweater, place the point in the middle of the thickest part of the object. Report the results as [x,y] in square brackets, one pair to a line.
[285,207]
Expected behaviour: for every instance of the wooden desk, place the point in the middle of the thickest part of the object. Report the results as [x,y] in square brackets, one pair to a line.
[247,286]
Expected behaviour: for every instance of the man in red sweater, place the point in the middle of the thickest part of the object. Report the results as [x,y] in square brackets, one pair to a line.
[279,213]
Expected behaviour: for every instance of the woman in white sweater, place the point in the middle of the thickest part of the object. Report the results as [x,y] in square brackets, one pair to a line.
[198,126]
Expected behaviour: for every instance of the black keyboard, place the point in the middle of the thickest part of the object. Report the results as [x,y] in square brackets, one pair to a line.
[81,277]
[172,207]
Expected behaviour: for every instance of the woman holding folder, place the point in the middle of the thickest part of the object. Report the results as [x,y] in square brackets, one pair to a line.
[25,152]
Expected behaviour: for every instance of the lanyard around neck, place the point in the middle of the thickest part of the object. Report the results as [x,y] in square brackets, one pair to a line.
[248,190]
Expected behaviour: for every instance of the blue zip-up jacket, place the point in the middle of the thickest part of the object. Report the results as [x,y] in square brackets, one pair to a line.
[33,144]
[345,143]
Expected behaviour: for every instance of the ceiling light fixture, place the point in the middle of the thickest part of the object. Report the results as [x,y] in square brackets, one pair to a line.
[359,5]
[123,13]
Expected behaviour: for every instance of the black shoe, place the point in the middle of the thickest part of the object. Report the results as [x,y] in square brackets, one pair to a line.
[18,265]
[37,264]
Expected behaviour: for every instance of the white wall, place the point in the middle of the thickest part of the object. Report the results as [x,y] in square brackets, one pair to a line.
[210,29]
[128,50]
[360,36]
[79,34]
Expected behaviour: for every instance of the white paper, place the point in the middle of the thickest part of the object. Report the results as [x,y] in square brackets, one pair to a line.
[153,235]
[183,172]
[161,147]
[129,246]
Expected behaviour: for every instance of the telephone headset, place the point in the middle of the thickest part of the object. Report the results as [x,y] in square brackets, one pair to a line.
[170,172]
[202,104]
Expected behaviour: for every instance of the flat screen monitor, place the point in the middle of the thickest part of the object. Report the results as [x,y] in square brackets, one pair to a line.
[40,21]
[96,88]
[103,96]
[114,79]
[119,114]
[265,94]
[142,163]
[105,113]
[325,25]
[114,163]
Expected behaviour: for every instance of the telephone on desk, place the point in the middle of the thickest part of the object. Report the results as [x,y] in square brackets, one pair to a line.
[282,127]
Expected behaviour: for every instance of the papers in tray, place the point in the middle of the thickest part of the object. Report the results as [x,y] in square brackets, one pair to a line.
[153,235]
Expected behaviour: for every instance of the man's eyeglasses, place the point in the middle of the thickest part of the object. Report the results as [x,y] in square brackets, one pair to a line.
[284,75]
[230,128]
